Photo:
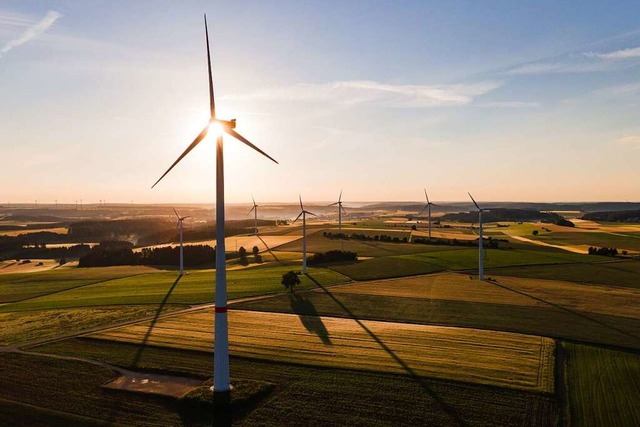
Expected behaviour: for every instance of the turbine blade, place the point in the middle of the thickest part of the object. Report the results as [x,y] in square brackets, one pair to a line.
[253,200]
[297,218]
[301,207]
[241,138]
[333,204]
[211,98]
[425,195]
[343,209]
[340,198]
[251,210]
[474,202]
[310,213]
[185,217]
[423,209]
[174,210]
[189,148]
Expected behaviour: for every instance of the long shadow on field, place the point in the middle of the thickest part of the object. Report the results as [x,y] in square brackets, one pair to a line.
[309,317]
[143,344]
[269,250]
[568,310]
[423,384]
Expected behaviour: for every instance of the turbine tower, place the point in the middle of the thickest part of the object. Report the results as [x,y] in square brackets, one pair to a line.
[254,209]
[303,213]
[340,210]
[180,224]
[428,208]
[480,250]
[221,384]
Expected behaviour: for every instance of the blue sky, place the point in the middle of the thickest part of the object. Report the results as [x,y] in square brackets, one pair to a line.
[531,101]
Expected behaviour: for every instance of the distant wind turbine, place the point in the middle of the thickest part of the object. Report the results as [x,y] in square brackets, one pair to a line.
[480,250]
[428,208]
[303,213]
[254,209]
[340,210]
[221,384]
[180,225]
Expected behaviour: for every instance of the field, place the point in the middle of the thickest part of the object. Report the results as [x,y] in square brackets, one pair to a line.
[452,353]
[604,388]
[159,287]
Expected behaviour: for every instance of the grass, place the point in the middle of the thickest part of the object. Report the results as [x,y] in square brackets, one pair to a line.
[382,268]
[619,240]
[468,355]
[30,325]
[17,287]
[602,386]
[307,395]
[618,274]
[196,287]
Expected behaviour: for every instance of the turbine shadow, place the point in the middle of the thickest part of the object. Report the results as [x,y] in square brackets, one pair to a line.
[310,317]
[143,344]
[269,250]
[421,382]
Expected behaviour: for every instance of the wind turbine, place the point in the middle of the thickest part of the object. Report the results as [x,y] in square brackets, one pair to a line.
[180,224]
[254,209]
[340,210]
[303,213]
[428,208]
[221,384]
[480,251]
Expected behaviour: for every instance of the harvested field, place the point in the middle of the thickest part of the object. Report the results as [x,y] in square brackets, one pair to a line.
[497,358]
[248,242]
[34,266]
[13,233]
[384,267]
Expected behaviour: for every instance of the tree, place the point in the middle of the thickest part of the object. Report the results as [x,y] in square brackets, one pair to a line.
[289,280]
[255,251]
[243,256]
[535,232]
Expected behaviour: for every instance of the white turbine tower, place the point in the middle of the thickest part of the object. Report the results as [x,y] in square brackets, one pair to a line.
[221,384]
[180,225]
[480,249]
[254,209]
[303,213]
[428,208]
[340,210]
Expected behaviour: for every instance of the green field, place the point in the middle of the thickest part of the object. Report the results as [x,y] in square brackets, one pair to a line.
[385,267]
[306,395]
[196,287]
[603,386]
[629,241]
[619,273]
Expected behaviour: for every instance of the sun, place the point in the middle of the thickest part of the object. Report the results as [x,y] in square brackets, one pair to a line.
[215,129]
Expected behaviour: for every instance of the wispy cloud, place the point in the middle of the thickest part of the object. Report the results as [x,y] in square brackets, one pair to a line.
[371,92]
[616,55]
[633,140]
[568,65]
[509,104]
[31,32]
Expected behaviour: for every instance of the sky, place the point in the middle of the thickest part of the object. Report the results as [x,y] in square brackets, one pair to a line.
[512,101]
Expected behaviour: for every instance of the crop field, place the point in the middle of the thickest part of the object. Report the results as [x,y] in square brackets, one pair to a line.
[33,266]
[316,242]
[603,386]
[307,395]
[196,287]
[263,242]
[30,325]
[504,359]
[17,287]
[13,233]
[384,267]
[630,242]
[617,273]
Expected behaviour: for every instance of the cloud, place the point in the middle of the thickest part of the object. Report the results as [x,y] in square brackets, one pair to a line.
[510,104]
[370,92]
[616,55]
[630,140]
[559,67]
[32,32]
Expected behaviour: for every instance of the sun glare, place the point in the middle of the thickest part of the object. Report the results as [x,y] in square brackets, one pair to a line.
[215,129]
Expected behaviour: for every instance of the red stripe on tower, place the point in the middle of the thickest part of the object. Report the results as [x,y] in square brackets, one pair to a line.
[221,309]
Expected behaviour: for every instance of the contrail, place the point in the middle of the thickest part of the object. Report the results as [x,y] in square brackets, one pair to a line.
[32,32]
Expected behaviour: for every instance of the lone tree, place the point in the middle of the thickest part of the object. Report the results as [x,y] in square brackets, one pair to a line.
[242,252]
[290,280]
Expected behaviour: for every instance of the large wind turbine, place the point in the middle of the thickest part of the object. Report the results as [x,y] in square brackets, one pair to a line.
[428,208]
[254,209]
[180,224]
[340,210]
[303,213]
[221,384]
[480,251]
